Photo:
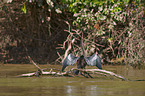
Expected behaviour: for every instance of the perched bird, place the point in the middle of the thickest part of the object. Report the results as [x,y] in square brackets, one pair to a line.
[82,61]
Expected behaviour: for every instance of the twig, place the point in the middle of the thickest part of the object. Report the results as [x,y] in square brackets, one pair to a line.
[34,63]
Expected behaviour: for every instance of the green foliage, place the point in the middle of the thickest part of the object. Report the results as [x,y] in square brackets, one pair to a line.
[106,23]
[114,14]
[92,10]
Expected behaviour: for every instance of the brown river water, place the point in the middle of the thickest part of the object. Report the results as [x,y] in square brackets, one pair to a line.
[69,86]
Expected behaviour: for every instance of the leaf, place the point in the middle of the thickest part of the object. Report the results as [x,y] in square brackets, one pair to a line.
[63,1]
[102,17]
[109,40]
[58,10]
[50,3]
[126,1]
[24,9]
[100,8]
[7,1]
[97,26]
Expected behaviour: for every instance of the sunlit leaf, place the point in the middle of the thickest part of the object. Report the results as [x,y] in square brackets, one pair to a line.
[24,9]
[126,1]
[50,3]
[7,1]
[109,40]
[102,17]
[100,8]
[58,10]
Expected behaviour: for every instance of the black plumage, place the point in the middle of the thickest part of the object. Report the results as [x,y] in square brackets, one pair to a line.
[69,60]
[82,61]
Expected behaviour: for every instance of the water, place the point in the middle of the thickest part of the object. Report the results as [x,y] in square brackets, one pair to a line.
[69,86]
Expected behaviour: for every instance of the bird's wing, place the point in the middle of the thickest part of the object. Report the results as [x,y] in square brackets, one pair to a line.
[94,60]
[69,60]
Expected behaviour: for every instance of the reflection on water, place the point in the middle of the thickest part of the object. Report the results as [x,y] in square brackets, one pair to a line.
[92,90]
[70,89]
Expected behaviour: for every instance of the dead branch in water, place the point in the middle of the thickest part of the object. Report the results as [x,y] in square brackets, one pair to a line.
[51,72]
[100,71]
[43,73]
[68,73]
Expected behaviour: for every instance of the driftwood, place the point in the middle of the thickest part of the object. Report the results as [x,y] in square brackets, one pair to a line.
[68,73]
[43,73]
[102,72]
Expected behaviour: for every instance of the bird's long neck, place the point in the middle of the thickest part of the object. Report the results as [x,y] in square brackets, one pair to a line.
[82,47]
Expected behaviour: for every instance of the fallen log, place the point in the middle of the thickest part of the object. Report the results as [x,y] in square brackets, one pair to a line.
[26,75]
[99,71]
[44,73]
[94,71]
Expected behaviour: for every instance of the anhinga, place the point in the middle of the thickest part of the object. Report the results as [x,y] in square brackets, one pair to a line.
[82,61]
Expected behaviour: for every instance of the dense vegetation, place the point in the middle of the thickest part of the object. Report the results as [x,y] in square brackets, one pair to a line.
[50,29]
